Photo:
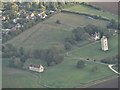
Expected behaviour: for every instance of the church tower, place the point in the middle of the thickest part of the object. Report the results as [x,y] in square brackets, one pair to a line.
[104,43]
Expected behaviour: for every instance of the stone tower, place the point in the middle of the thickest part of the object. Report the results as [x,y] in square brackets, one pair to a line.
[104,43]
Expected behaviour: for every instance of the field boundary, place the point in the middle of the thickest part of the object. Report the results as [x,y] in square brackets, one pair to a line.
[85,14]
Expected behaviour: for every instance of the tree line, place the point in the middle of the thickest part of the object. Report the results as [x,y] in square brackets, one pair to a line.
[18,56]
[84,33]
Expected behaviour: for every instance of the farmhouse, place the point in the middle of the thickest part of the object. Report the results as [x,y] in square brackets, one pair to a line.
[96,36]
[36,68]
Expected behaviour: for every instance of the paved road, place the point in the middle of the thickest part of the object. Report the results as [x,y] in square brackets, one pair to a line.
[107,84]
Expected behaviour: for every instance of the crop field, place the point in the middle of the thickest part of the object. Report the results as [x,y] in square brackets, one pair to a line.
[63,75]
[107,6]
[48,33]
[85,9]
[93,51]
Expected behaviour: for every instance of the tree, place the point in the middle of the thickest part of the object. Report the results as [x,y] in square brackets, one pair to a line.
[28,5]
[67,45]
[71,40]
[80,64]
[21,50]
[37,54]
[58,22]
[9,48]
[113,24]
[91,29]
[43,8]
[14,7]
[1,4]
[35,6]
[16,62]
[53,6]
[54,56]
[79,34]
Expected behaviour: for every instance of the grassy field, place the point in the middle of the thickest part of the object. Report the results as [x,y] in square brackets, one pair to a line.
[48,33]
[94,51]
[85,9]
[63,75]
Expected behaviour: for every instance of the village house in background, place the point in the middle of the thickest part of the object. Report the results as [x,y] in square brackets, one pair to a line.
[104,43]
[42,15]
[36,68]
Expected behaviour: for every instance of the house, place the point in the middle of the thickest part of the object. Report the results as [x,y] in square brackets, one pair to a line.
[32,15]
[91,18]
[36,68]
[95,36]
[18,25]
[42,15]
[15,20]
[51,11]
[3,18]
[5,31]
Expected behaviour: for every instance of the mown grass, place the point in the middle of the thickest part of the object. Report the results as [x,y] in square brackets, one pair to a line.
[93,51]
[88,10]
[63,75]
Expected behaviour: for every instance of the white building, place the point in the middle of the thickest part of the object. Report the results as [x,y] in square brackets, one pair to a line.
[42,15]
[96,36]
[104,43]
[36,68]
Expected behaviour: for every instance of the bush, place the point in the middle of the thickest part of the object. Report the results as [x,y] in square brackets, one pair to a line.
[80,64]
[71,40]
[67,45]
[58,22]
[112,60]
[16,62]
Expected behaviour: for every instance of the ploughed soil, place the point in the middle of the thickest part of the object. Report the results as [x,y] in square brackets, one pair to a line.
[107,6]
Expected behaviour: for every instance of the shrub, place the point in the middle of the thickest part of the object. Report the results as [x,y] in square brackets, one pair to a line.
[67,45]
[80,64]
[58,22]
[112,60]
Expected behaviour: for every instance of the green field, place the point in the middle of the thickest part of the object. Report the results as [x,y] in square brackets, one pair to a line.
[93,50]
[48,33]
[63,75]
[88,10]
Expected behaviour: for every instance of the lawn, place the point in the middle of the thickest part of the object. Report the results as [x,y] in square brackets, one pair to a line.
[16,78]
[48,33]
[88,10]
[93,50]
[63,75]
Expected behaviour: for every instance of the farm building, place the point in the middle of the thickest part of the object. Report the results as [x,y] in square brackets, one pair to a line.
[36,68]
[96,36]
